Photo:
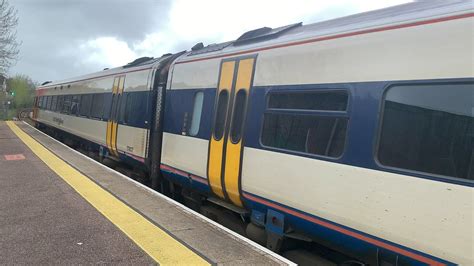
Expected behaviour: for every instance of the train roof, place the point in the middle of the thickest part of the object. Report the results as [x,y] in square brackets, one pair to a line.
[391,16]
[138,64]
[267,37]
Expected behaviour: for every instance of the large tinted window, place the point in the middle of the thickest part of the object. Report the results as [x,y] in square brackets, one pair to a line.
[59,107]
[197,111]
[97,109]
[305,122]
[54,102]
[429,128]
[67,102]
[135,112]
[48,102]
[305,133]
[75,104]
[107,105]
[85,106]
[124,108]
[41,102]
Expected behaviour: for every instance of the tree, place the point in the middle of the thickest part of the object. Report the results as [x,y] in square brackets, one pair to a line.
[8,43]
[19,96]
[22,91]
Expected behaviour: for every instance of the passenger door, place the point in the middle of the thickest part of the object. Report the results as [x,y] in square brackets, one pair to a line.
[225,146]
[112,122]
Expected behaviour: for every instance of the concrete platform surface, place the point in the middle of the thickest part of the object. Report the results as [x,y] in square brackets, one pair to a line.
[44,221]
[51,213]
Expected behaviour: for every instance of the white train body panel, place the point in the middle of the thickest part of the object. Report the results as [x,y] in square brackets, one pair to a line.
[189,153]
[132,140]
[93,130]
[411,211]
[378,56]
[185,76]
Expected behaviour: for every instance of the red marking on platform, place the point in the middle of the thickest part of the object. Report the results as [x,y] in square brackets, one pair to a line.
[14,157]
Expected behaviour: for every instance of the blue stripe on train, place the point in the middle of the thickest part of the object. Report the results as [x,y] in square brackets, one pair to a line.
[364,115]
[186,181]
[333,237]
[179,104]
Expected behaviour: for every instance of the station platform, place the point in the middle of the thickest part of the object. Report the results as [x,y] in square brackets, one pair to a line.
[58,206]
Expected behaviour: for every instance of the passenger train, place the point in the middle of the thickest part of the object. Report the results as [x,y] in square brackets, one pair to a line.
[355,133]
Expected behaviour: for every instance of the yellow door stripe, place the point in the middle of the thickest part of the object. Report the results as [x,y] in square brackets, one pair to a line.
[217,146]
[109,125]
[113,138]
[110,121]
[232,165]
[162,247]
[233,151]
[117,112]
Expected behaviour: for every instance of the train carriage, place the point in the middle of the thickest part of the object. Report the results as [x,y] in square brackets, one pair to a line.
[355,133]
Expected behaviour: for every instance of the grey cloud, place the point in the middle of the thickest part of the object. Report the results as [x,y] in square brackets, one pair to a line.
[52,30]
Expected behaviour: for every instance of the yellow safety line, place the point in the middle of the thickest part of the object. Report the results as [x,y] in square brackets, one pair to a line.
[162,247]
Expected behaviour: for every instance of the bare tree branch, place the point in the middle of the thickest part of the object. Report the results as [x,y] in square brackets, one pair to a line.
[9,46]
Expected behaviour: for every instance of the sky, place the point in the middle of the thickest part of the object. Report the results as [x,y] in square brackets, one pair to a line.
[66,38]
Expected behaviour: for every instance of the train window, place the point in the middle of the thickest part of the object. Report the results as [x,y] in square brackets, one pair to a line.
[85,106]
[305,133]
[54,102]
[40,103]
[135,112]
[66,104]
[429,128]
[75,104]
[107,105]
[221,113]
[312,100]
[197,112]
[97,110]
[59,107]
[125,107]
[238,116]
[305,122]
[48,103]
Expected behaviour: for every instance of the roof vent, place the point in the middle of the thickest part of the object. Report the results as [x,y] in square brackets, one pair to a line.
[197,46]
[210,48]
[263,34]
[254,33]
[138,61]
[46,82]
